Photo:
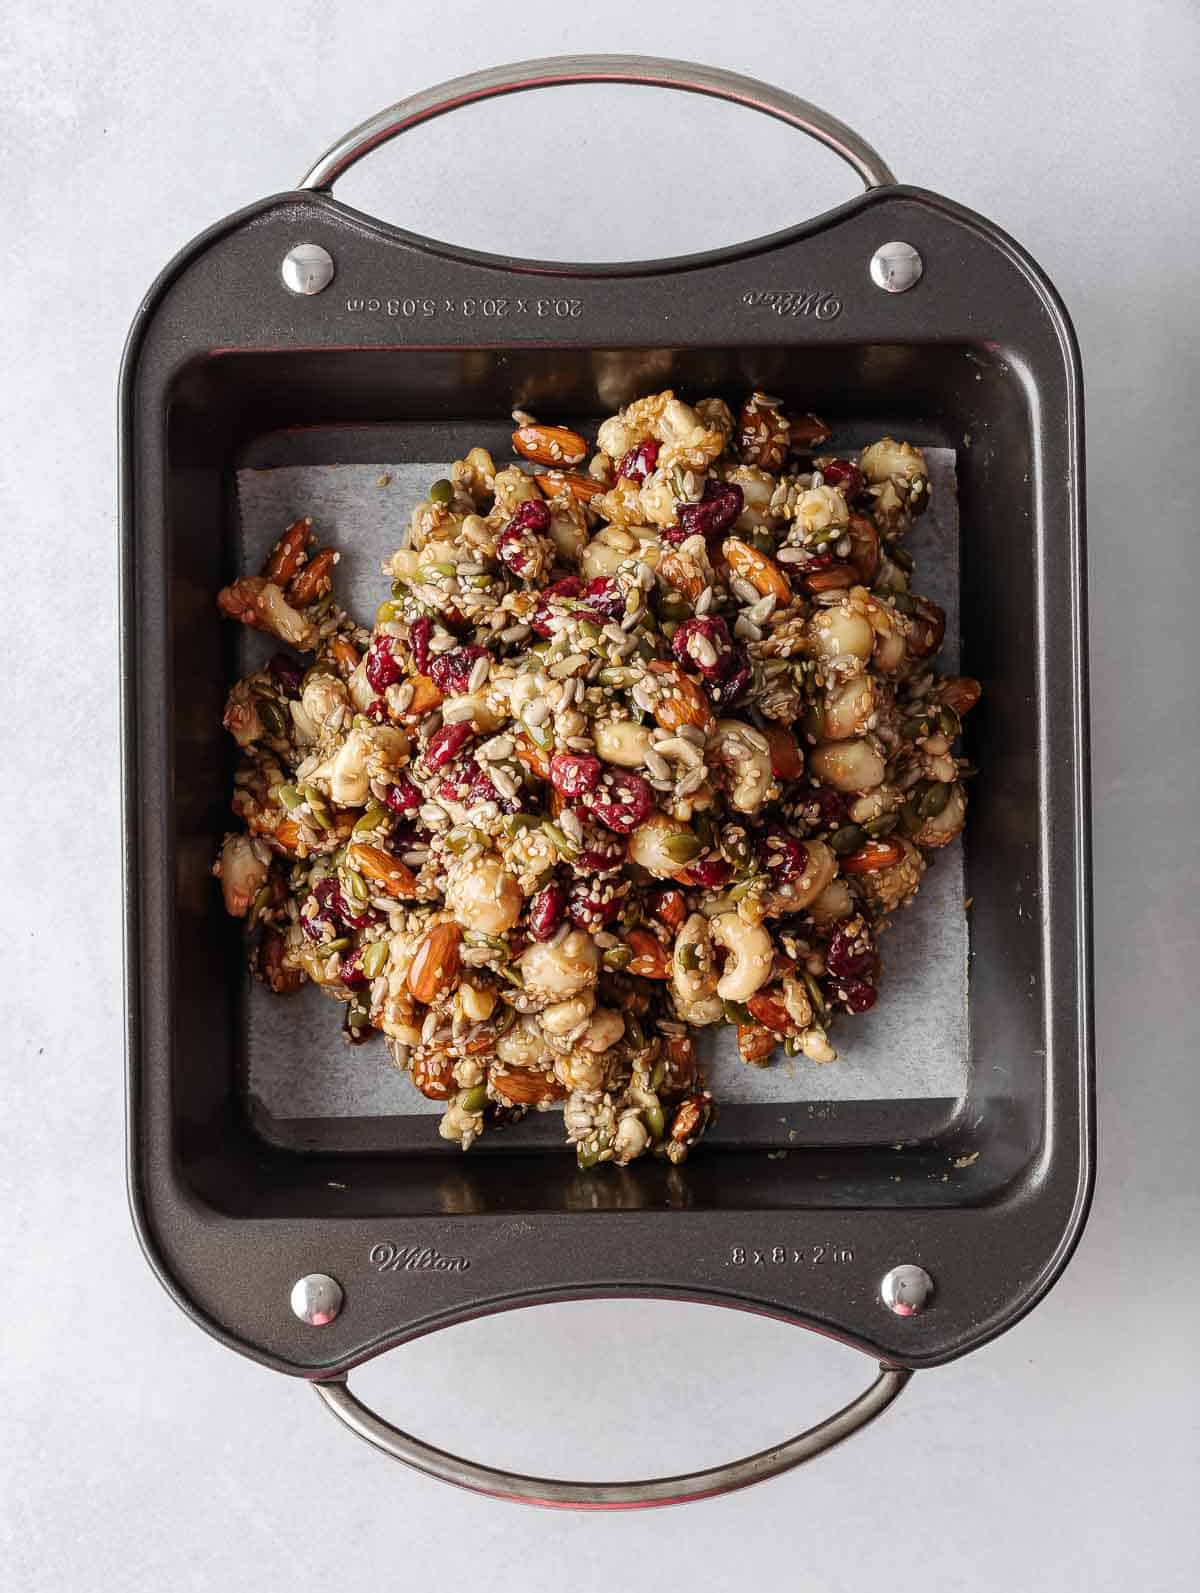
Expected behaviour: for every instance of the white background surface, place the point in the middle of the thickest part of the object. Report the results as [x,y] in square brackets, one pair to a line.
[138,1454]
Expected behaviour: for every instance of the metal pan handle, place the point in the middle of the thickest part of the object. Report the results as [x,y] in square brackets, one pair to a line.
[564,69]
[652,1491]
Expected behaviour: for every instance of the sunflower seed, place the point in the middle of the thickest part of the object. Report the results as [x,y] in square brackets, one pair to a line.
[792,555]
[515,633]
[762,609]
[458,709]
[479,673]
[746,630]
[692,733]
[568,665]
[503,781]
[571,827]
[692,781]
[743,590]
[498,747]
[418,856]
[704,601]
[430,813]
[657,765]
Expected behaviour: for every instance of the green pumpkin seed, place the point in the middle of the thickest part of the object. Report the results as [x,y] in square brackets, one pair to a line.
[513,823]
[618,957]
[903,602]
[735,1012]
[371,819]
[440,568]
[317,803]
[814,719]
[341,943]
[910,819]
[674,606]
[933,799]
[400,589]
[703,827]
[763,541]
[358,1015]
[588,1154]
[818,539]
[388,612]
[815,994]
[948,722]
[513,975]
[473,1100]
[677,481]
[272,716]
[683,846]
[259,903]
[290,796]
[634,1032]
[669,627]
[590,630]
[736,845]
[847,839]
[649,622]
[355,886]
[658,1074]
[883,825]
[374,958]
[916,726]
[505,1019]
[559,839]
[791,1046]
[902,557]
[654,1120]
[442,492]
[688,957]
[541,735]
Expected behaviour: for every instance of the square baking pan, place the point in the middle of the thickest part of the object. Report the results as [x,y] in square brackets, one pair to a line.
[302,332]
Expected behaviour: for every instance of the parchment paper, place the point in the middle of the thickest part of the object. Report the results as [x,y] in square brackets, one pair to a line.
[913,1045]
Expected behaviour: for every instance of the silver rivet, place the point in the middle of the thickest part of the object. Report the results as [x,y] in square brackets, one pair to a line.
[317,1299]
[307,268]
[896,267]
[906,1290]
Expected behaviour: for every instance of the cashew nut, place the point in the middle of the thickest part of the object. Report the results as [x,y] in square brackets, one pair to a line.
[242,873]
[841,630]
[648,845]
[483,895]
[349,782]
[622,742]
[854,765]
[523,1045]
[564,1016]
[554,971]
[849,708]
[744,753]
[748,966]
[819,870]
[835,902]
[694,989]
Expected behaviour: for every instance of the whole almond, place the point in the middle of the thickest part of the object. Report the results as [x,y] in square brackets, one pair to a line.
[388,873]
[755,1042]
[873,857]
[433,1075]
[549,445]
[649,955]
[286,557]
[679,700]
[525,1086]
[314,580]
[436,965]
[763,574]
[582,488]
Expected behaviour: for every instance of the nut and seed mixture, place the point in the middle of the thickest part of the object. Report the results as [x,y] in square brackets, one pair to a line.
[646,738]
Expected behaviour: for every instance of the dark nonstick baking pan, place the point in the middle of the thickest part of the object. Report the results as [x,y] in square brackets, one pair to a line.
[300,330]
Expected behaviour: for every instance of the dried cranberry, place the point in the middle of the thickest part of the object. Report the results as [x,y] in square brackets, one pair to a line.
[717,510]
[841,473]
[419,633]
[783,855]
[402,796]
[623,800]
[711,872]
[602,851]
[451,672]
[446,743]
[637,464]
[603,596]
[383,668]
[830,805]
[351,972]
[516,552]
[377,712]
[852,955]
[703,644]
[569,586]
[286,674]
[810,560]
[574,774]
[546,910]
[481,789]
[733,682]
[857,994]
[593,905]
[532,515]
[332,912]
